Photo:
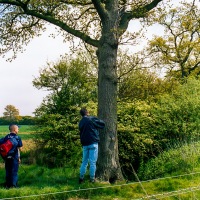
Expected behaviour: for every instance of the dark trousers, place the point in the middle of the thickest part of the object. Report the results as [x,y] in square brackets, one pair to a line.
[11,166]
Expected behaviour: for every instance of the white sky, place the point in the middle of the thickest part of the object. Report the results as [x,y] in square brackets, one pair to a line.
[16,77]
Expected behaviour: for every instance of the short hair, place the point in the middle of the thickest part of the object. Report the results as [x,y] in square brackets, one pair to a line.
[11,126]
[83,112]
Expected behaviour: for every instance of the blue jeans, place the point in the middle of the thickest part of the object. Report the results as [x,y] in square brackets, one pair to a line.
[11,166]
[90,154]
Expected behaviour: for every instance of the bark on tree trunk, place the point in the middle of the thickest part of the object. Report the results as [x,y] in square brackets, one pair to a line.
[108,167]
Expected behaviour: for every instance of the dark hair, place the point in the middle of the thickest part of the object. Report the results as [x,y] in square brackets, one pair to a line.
[83,112]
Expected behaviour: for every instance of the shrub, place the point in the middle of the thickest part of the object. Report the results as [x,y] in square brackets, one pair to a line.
[136,142]
[57,140]
[180,159]
[147,128]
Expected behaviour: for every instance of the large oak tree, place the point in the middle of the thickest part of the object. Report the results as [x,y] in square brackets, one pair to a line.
[97,23]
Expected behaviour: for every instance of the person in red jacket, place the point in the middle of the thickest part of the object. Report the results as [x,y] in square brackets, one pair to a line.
[89,135]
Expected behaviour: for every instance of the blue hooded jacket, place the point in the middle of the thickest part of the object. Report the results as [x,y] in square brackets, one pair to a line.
[88,127]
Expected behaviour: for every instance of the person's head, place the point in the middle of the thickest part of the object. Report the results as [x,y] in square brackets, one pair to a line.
[84,112]
[14,128]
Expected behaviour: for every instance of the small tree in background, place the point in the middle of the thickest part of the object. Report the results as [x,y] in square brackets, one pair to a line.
[11,113]
[70,84]
[178,49]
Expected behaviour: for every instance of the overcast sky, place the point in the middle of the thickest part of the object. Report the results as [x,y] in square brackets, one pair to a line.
[16,77]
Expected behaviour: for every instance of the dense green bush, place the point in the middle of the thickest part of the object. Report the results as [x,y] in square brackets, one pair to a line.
[71,85]
[136,142]
[147,128]
[58,140]
[183,158]
[144,128]
[176,116]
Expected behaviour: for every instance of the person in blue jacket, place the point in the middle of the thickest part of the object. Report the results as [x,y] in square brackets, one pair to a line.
[89,136]
[13,160]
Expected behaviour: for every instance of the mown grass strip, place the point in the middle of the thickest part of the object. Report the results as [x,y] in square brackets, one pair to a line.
[25,131]
[62,183]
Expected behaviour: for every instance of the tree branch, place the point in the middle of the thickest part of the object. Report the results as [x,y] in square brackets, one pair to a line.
[12,2]
[64,26]
[100,9]
[81,3]
[51,19]
[151,5]
[136,14]
[194,67]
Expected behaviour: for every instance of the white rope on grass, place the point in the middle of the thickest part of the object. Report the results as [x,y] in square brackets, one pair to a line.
[95,188]
[172,193]
[159,196]
[140,182]
[169,177]
[68,191]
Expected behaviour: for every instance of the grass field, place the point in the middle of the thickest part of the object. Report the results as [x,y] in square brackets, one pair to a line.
[25,131]
[40,182]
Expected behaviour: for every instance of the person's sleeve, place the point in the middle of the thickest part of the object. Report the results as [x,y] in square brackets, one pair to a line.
[98,123]
[20,144]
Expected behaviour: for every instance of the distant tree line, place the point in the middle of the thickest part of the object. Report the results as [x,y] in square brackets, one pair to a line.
[11,115]
[23,120]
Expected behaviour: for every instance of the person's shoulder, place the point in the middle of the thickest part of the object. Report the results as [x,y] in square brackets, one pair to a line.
[13,135]
[93,117]
[18,137]
[7,136]
[83,120]
[86,118]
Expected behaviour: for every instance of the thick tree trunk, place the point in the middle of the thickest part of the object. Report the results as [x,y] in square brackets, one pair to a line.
[108,167]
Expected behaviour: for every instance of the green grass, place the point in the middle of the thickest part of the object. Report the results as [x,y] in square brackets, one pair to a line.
[173,183]
[63,182]
[25,131]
